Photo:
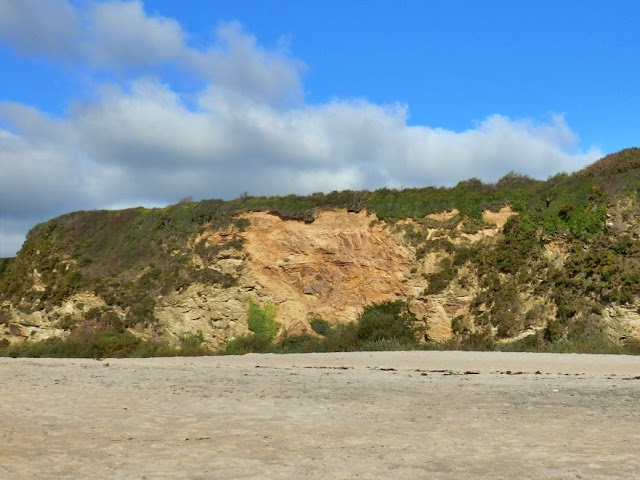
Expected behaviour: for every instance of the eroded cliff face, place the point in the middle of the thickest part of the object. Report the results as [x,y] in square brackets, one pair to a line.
[330,268]
[567,267]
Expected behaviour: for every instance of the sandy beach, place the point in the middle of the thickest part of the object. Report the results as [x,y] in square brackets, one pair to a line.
[430,415]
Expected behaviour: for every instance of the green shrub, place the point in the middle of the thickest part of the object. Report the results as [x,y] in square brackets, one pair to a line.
[341,338]
[390,320]
[461,325]
[88,340]
[631,346]
[66,323]
[439,281]
[386,345]
[296,344]
[320,326]
[531,343]
[381,326]
[479,341]
[594,344]
[261,321]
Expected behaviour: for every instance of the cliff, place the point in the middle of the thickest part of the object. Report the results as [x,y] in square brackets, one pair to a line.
[515,260]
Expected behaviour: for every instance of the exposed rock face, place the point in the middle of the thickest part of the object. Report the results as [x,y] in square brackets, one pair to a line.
[331,268]
[624,319]
[218,313]
[40,325]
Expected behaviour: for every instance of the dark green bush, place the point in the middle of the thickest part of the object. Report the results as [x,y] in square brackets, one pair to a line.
[88,340]
[479,341]
[342,338]
[320,326]
[386,345]
[296,344]
[390,320]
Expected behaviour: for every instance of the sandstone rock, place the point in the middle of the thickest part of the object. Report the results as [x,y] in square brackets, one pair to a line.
[331,268]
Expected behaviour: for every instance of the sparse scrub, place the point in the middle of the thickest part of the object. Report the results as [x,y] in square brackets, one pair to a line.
[296,344]
[248,344]
[90,340]
[439,281]
[191,344]
[386,345]
[381,326]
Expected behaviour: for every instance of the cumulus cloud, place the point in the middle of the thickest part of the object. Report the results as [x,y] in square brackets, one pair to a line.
[147,132]
[495,146]
[141,141]
[36,176]
[116,35]
[120,33]
[239,66]
[37,182]
[40,27]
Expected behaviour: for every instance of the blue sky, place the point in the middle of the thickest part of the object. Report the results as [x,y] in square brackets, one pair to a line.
[107,104]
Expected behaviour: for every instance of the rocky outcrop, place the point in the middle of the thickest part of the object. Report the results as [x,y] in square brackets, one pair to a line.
[41,324]
[330,268]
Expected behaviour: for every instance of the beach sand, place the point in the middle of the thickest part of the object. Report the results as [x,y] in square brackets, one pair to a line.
[366,415]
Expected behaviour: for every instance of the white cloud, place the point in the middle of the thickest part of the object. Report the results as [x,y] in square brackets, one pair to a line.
[238,65]
[37,176]
[147,125]
[40,27]
[141,141]
[497,145]
[121,34]
[146,132]
[116,35]
[38,181]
